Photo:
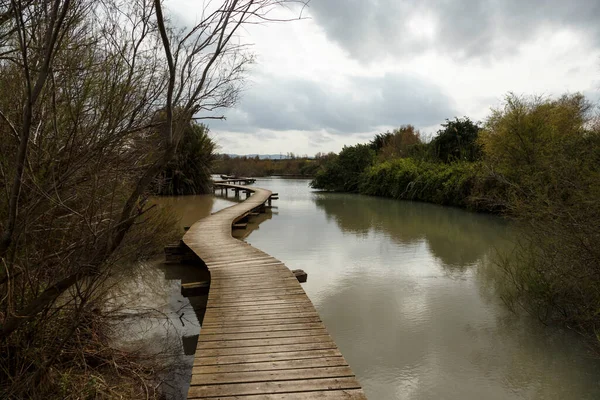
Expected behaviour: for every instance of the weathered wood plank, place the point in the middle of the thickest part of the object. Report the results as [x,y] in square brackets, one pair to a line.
[271,376]
[262,328]
[266,357]
[270,319]
[248,308]
[236,351]
[341,394]
[260,322]
[216,313]
[256,293]
[264,303]
[204,337]
[272,365]
[228,344]
[294,386]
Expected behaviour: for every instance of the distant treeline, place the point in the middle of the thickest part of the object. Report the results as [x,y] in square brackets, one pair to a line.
[536,160]
[254,166]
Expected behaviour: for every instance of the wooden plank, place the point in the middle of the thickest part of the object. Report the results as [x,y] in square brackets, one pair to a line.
[260,322]
[259,310]
[256,282]
[252,270]
[301,303]
[272,365]
[341,394]
[204,337]
[214,294]
[228,344]
[267,357]
[224,301]
[264,302]
[250,290]
[262,328]
[233,270]
[236,351]
[271,376]
[264,260]
[292,284]
[240,261]
[294,386]
[242,283]
[320,362]
[213,313]
[212,318]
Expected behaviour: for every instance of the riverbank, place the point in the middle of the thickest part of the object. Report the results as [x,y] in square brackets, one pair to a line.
[534,160]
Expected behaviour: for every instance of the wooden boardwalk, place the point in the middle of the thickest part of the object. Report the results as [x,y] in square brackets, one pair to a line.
[261,337]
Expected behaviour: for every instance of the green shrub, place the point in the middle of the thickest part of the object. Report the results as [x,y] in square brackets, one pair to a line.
[343,173]
[546,154]
[457,141]
[410,179]
[190,170]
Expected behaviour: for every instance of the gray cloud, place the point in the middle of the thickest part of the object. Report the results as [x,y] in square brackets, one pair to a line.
[368,103]
[368,29]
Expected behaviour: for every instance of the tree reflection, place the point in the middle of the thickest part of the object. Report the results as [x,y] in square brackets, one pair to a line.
[456,237]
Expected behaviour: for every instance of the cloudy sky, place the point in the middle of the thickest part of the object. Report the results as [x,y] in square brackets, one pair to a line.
[352,68]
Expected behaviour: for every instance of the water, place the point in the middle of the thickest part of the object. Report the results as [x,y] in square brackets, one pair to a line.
[409,294]
[157,320]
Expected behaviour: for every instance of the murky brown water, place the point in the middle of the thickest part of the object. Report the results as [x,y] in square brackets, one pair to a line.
[408,292]
[161,323]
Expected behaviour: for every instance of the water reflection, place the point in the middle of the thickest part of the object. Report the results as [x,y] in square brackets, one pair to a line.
[409,292]
[157,319]
[190,209]
[457,238]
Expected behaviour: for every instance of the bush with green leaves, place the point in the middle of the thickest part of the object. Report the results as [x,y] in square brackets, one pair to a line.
[457,141]
[342,173]
[546,154]
[410,179]
[190,170]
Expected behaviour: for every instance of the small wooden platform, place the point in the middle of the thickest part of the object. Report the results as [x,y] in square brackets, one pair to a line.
[239,180]
[261,338]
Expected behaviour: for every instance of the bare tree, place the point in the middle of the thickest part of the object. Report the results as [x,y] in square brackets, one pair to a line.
[95,98]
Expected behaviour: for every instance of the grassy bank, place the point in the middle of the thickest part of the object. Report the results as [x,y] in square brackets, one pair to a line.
[411,179]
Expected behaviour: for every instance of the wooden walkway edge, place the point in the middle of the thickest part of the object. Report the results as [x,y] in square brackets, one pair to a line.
[261,338]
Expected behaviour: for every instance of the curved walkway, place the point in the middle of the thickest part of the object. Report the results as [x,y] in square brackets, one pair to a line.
[261,337]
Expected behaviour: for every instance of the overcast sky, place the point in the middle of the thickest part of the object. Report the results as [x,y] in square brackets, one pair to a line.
[353,68]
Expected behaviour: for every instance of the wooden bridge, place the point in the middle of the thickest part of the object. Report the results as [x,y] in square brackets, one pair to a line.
[235,180]
[261,336]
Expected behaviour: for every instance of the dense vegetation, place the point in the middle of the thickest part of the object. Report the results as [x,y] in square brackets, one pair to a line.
[254,166]
[189,172]
[535,160]
[399,164]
